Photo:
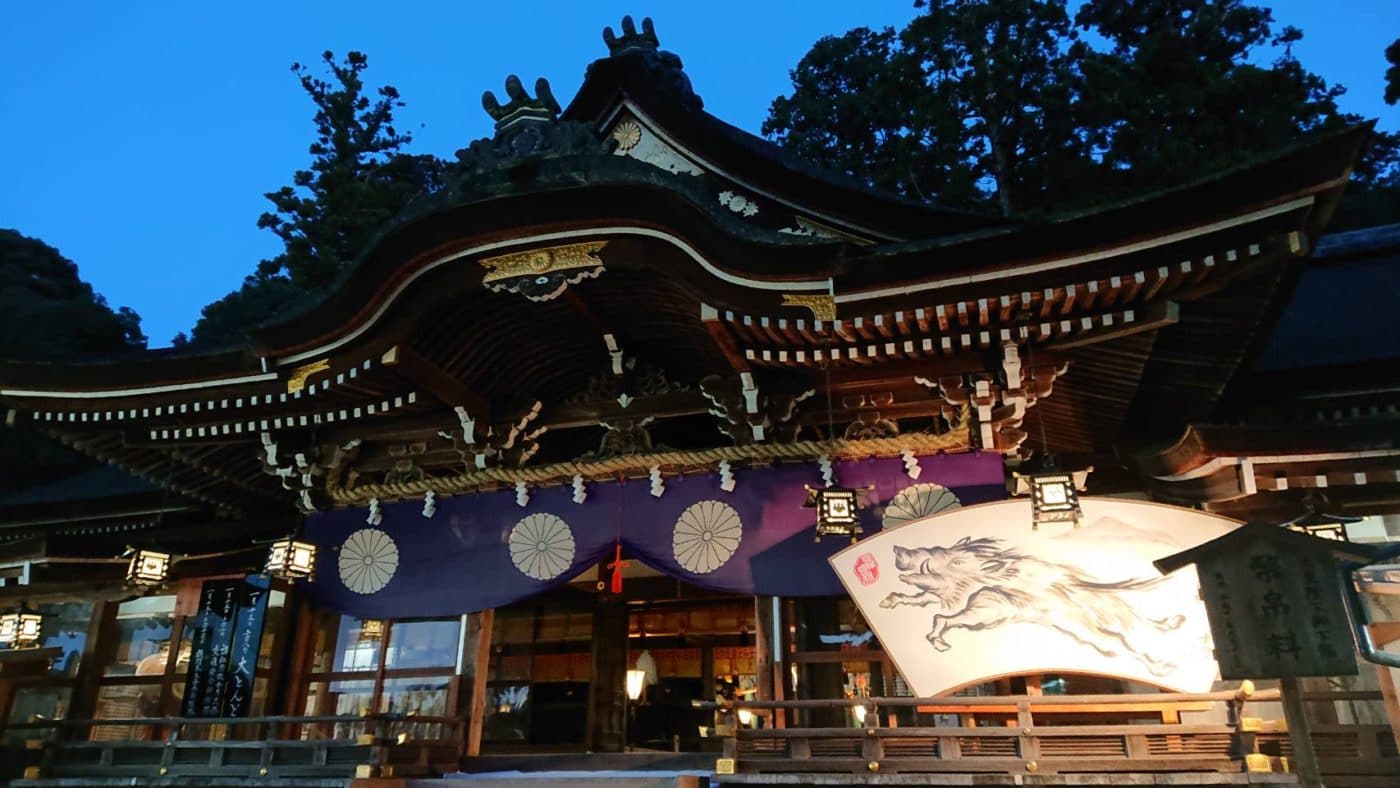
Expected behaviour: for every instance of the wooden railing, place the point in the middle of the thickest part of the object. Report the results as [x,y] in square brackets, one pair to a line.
[1037,740]
[329,747]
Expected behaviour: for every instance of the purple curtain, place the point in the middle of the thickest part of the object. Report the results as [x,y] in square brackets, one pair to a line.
[485,550]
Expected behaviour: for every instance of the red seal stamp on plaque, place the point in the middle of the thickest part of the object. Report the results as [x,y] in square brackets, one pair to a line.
[866,569]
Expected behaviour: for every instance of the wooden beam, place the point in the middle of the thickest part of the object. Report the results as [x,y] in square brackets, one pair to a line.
[447,389]
[1146,318]
[900,373]
[723,339]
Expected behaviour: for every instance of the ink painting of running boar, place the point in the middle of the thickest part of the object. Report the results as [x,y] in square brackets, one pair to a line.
[983,583]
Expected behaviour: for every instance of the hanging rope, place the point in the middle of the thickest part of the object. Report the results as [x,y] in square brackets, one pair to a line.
[640,464]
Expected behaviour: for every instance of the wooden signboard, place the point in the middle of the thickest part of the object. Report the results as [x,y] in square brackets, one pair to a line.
[1276,613]
[1274,601]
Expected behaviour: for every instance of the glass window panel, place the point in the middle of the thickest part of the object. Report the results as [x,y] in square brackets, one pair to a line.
[337,698]
[66,627]
[33,704]
[356,646]
[423,697]
[143,637]
[272,626]
[345,644]
[424,644]
[507,712]
[126,701]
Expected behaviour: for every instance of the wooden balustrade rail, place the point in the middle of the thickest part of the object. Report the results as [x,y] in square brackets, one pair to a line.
[274,745]
[1027,746]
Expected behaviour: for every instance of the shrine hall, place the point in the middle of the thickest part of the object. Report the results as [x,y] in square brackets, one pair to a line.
[644,449]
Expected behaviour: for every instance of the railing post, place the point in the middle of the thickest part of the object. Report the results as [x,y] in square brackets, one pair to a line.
[1029,745]
[167,753]
[873,747]
[731,738]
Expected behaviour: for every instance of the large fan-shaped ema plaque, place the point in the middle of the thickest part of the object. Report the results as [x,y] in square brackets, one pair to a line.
[706,536]
[368,560]
[916,502]
[542,546]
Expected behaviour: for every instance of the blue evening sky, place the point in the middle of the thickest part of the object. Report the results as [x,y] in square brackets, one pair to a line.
[138,138]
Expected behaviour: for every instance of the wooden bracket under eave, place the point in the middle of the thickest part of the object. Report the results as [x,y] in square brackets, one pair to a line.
[723,339]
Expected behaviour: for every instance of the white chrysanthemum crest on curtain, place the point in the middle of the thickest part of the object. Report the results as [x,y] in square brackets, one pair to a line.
[542,546]
[916,502]
[706,535]
[368,560]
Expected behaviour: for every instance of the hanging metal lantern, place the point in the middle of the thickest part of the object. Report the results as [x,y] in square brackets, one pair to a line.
[1317,522]
[292,559]
[371,629]
[20,628]
[837,509]
[1054,494]
[148,568]
[1054,498]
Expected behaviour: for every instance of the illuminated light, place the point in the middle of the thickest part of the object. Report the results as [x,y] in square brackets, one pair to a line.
[1054,499]
[371,629]
[148,568]
[20,628]
[859,711]
[745,717]
[636,680]
[291,559]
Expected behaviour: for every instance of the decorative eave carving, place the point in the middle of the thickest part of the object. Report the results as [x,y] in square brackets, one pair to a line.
[749,416]
[297,380]
[511,444]
[303,472]
[542,274]
[999,400]
[823,306]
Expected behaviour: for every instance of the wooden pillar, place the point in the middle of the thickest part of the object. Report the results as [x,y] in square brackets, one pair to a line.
[768,653]
[824,680]
[1300,734]
[1385,636]
[97,651]
[475,670]
[607,693]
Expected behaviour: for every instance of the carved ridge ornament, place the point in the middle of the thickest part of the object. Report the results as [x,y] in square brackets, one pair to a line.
[542,274]
[823,306]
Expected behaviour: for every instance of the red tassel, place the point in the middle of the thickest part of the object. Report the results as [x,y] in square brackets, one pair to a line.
[617,566]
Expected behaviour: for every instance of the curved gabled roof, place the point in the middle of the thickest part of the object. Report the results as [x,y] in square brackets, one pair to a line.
[647,84]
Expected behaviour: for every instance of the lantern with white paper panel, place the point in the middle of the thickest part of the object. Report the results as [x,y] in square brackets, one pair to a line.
[1054,493]
[836,511]
[148,568]
[291,559]
[20,628]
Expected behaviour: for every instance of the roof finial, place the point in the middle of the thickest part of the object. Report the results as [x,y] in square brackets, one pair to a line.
[631,40]
[542,107]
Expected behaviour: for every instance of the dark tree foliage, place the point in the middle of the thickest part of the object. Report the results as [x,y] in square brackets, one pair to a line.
[1007,105]
[47,313]
[359,178]
[1392,74]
